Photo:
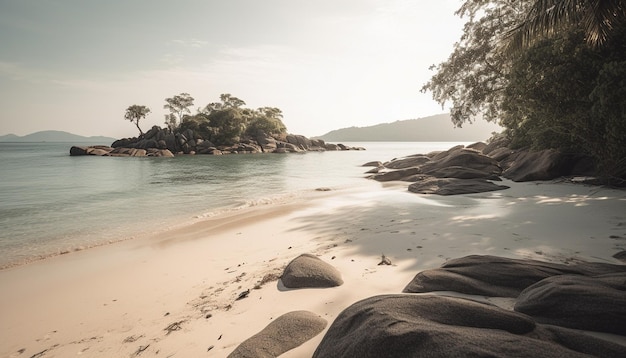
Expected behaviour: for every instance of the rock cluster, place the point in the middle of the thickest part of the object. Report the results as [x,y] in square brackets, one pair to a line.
[472,169]
[161,142]
[551,299]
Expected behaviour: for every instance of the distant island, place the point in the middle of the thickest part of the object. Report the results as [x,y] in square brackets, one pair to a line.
[55,136]
[437,128]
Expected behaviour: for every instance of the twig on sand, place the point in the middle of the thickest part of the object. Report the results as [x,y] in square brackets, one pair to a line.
[384,260]
[140,350]
[40,354]
[176,326]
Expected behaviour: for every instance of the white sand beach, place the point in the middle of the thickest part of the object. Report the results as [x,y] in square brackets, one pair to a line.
[174,294]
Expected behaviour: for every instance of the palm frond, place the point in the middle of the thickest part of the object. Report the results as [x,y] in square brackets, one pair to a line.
[545,18]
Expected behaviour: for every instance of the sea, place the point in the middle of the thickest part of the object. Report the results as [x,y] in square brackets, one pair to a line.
[53,203]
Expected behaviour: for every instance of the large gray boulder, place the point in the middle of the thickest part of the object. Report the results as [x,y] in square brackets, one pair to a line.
[283,334]
[453,186]
[404,326]
[468,158]
[394,175]
[590,303]
[308,271]
[407,162]
[535,165]
[498,276]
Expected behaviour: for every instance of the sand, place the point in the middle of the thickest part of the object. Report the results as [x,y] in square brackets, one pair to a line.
[174,294]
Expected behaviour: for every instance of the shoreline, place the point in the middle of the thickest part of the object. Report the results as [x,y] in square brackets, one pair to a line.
[120,299]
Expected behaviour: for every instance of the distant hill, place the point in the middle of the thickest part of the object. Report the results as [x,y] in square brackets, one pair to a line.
[56,136]
[436,128]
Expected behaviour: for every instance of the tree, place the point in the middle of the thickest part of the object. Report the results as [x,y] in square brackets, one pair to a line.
[598,20]
[268,120]
[563,93]
[178,106]
[135,113]
[228,101]
[473,78]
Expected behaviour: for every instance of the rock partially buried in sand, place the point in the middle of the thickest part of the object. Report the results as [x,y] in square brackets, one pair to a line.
[435,326]
[308,271]
[453,186]
[498,276]
[285,333]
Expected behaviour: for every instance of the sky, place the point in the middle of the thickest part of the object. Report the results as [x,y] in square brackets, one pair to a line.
[76,65]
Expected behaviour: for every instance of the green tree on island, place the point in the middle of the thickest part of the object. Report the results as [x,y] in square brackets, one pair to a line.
[563,91]
[178,106]
[228,121]
[135,113]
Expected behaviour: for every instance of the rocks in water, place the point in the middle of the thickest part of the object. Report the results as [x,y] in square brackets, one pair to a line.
[453,186]
[498,276]
[437,326]
[283,334]
[480,161]
[308,271]
[441,172]
[160,142]
[591,303]
[106,151]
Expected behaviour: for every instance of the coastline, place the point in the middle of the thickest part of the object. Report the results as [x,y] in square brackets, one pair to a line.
[118,299]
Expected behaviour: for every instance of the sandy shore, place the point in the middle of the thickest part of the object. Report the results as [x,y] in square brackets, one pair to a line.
[174,294]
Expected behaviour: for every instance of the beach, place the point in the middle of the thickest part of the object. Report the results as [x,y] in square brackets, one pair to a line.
[178,292]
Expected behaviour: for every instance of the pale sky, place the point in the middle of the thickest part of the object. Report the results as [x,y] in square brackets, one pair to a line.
[76,65]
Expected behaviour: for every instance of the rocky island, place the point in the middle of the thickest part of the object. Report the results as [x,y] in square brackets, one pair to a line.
[160,142]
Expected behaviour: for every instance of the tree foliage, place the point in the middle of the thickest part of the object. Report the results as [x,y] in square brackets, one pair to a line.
[135,113]
[178,106]
[553,92]
[473,78]
[597,19]
[228,121]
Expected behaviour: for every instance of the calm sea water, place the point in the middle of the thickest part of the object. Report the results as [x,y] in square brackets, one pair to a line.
[52,203]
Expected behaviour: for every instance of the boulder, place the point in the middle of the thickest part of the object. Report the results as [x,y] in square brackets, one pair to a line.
[400,174]
[479,146]
[461,172]
[134,152]
[267,143]
[376,164]
[453,186]
[331,146]
[435,326]
[501,154]
[468,158]
[99,150]
[442,154]
[536,165]
[78,150]
[407,162]
[152,132]
[308,271]
[283,334]
[590,303]
[621,256]
[498,276]
[499,140]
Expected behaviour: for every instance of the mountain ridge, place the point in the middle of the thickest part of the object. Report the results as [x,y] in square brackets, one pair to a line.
[436,128]
[54,136]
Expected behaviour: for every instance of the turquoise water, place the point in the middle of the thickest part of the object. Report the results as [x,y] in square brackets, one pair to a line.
[52,203]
